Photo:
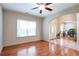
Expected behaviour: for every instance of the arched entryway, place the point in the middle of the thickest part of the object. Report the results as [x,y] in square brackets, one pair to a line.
[63,30]
[64,26]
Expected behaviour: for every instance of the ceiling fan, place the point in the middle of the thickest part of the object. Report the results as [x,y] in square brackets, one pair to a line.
[42,6]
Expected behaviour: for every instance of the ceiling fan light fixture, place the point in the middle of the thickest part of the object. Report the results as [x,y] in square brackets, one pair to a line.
[41,7]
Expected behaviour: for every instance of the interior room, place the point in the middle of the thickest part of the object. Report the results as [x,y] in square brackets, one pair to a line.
[39,29]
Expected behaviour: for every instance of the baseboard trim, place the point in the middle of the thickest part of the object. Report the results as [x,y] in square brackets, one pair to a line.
[20,43]
[46,40]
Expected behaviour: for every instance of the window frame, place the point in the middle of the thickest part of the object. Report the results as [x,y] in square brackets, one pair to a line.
[26,35]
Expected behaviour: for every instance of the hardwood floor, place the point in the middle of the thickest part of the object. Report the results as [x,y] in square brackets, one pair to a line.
[39,48]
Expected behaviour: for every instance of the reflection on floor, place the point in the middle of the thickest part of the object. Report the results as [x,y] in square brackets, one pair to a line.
[66,42]
[39,48]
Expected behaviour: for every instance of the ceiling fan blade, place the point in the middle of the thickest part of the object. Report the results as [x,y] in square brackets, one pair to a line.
[47,4]
[40,11]
[48,8]
[34,8]
[39,3]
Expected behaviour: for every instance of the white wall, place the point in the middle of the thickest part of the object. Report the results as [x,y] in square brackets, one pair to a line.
[1,30]
[10,19]
[74,9]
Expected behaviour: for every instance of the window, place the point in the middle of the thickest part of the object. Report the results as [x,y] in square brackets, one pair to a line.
[62,28]
[52,29]
[26,28]
[69,26]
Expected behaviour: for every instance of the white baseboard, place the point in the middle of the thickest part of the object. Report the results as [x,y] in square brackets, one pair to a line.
[20,43]
[46,40]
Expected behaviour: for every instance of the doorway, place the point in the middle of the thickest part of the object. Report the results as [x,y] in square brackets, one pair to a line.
[64,27]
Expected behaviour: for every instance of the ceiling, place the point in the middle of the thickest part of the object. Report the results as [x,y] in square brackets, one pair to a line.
[26,8]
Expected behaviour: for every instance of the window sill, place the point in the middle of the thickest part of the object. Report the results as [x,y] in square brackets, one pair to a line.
[26,36]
